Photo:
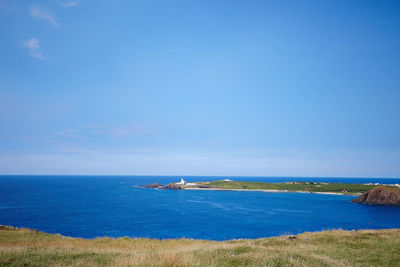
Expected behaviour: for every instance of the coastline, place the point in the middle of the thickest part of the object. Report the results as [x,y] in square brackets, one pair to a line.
[272,191]
[350,189]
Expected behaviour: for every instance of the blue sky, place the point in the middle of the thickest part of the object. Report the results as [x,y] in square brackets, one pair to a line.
[266,88]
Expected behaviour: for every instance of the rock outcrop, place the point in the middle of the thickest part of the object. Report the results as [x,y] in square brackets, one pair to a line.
[153,185]
[383,195]
[173,186]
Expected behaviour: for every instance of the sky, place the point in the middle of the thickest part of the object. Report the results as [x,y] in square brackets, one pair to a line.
[180,87]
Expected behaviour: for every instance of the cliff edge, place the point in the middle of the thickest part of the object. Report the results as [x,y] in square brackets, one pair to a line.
[383,195]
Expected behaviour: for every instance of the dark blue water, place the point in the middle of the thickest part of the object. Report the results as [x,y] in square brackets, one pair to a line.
[91,206]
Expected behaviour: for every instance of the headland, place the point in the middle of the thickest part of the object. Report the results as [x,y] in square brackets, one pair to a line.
[382,195]
[286,187]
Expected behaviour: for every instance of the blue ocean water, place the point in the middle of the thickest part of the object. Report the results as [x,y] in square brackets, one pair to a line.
[92,206]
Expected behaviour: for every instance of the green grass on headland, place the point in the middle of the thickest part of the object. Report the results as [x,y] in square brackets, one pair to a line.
[23,247]
[290,186]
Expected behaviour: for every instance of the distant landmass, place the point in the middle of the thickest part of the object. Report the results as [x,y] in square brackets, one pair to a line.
[368,193]
[304,187]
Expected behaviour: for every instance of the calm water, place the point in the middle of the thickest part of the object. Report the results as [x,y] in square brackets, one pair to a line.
[91,206]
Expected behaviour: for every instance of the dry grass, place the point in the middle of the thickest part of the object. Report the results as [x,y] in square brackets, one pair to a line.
[23,247]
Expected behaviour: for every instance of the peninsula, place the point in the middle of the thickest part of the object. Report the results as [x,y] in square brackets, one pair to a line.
[303,187]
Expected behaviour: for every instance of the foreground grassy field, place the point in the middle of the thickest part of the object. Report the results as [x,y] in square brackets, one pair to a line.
[23,247]
[290,186]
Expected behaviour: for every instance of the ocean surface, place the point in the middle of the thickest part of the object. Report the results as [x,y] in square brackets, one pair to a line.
[92,206]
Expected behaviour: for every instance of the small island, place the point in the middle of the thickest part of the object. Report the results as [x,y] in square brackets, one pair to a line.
[303,187]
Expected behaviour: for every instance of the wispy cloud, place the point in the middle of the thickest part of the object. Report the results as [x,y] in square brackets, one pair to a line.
[34,47]
[120,131]
[66,132]
[70,3]
[116,131]
[38,13]
[77,150]
[32,44]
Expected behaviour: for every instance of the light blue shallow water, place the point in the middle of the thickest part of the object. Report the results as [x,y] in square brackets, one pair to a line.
[90,206]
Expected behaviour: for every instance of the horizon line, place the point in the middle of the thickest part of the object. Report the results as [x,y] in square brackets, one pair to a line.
[244,176]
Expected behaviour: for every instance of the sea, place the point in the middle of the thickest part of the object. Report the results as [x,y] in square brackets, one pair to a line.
[114,206]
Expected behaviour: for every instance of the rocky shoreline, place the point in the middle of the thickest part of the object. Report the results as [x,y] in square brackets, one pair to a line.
[175,186]
[269,191]
[383,195]
[171,186]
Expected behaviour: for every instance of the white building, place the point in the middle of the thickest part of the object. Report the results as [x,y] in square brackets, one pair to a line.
[182,182]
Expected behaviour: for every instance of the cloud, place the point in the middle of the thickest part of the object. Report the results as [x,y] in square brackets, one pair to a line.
[38,13]
[114,131]
[77,150]
[70,3]
[67,132]
[39,55]
[120,131]
[32,44]
[34,47]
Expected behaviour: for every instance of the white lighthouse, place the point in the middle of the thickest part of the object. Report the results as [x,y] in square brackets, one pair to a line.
[182,182]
